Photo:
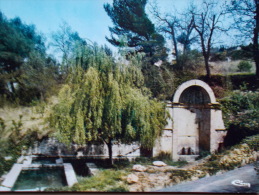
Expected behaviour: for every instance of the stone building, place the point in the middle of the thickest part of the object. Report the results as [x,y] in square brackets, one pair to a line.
[195,125]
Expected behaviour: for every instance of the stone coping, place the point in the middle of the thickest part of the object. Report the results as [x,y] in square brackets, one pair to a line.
[70,174]
[12,176]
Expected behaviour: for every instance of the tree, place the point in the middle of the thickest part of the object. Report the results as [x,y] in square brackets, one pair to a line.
[38,77]
[107,102]
[187,36]
[65,41]
[207,21]
[131,22]
[167,24]
[180,28]
[17,42]
[246,19]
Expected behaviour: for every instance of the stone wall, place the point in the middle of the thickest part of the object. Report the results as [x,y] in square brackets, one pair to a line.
[52,147]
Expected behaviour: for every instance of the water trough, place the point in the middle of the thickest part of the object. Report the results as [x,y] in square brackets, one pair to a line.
[20,168]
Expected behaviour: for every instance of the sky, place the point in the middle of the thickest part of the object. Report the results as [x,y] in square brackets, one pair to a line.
[87,17]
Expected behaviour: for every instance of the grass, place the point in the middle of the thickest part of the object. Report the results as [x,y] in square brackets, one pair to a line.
[108,180]
[125,164]
[114,179]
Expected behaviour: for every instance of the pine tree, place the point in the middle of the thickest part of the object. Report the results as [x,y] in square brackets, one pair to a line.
[132,24]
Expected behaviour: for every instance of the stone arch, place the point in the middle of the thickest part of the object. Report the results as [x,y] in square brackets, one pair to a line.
[192,105]
[198,83]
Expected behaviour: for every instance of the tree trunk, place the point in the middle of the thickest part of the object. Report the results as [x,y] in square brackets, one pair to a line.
[256,46]
[206,60]
[109,144]
[175,46]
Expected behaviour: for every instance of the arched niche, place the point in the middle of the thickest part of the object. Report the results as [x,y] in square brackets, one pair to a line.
[194,87]
[192,104]
[194,95]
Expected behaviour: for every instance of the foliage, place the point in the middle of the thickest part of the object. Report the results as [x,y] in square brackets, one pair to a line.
[107,102]
[240,113]
[207,22]
[228,159]
[238,104]
[134,29]
[134,34]
[26,72]
[106,181]
[219,56]
[182,174]
[160,81]
[191,61]
[244,66]
[65,41]
[13,145]
[5,165]
[245,14]
[17,41]
[179,28]
[246,52]
[240,81]
[252,141]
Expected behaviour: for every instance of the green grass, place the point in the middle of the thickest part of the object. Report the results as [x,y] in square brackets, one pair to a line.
[108,180]
[165,157]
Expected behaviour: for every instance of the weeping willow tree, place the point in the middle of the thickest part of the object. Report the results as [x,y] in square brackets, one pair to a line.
[107,101]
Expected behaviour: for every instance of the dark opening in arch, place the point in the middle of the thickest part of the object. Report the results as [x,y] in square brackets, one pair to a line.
[195,95]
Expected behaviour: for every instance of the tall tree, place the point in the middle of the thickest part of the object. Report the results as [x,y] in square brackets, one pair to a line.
[131,21]
[107,102]
[65,40]
[186,24]
[179,27]
[167,24]
[246,19]
[207,21]
[17,42]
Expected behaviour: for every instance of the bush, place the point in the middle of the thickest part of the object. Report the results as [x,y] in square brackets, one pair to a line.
[13,145]
[5,165]
[244,66]
[253,142]
[219,56]
[240,114]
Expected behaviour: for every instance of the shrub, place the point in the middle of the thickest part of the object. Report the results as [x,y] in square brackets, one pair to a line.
[219,56]
[240,114]
[5,165]
[118,189]
[253,142]
[13,145]
[244,66]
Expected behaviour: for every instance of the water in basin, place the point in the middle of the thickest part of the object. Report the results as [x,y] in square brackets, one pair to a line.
[40,178]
